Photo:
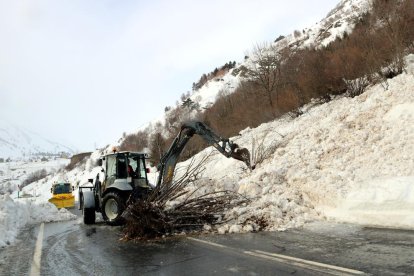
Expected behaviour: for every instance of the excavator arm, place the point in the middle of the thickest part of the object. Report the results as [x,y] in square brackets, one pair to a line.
[229,149]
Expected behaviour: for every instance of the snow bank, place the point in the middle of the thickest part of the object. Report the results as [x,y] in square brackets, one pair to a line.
[32,207]
[16,214]
[349,160]
[383,202]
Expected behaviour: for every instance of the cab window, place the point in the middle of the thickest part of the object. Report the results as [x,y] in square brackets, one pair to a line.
[63,188]
[137,167]
[110,169]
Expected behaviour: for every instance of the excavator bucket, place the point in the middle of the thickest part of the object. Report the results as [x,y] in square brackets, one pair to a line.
[242,154]
[63,201]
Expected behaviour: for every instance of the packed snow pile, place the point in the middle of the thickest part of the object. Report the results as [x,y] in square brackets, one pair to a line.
[30,205]
[350,160]
[16,214]
[385,201]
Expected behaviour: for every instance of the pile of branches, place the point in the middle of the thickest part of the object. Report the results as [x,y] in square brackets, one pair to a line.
[172,209]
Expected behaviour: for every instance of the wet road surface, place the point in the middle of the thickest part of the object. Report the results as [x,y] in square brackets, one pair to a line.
[97,250]
[71,248]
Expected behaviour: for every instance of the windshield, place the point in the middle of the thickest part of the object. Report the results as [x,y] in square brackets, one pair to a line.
[62,188]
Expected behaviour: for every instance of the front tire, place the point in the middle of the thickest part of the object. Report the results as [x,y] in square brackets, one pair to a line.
[113,205]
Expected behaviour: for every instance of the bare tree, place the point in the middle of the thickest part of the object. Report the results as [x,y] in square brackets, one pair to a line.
[157,147]
[135,142]
[266,71]
[175,208]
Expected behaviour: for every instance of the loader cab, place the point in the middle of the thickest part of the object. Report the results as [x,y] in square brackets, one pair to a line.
[61,188]
[123,176]
[125,168]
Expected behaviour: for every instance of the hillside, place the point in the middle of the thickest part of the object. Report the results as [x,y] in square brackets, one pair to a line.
[339,21]
[20,143]
[344,155]
[350,160]
[273,79]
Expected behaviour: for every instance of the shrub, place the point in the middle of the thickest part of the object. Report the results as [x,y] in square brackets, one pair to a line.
[77,159]
[262,149]
[356,87]
[33,177]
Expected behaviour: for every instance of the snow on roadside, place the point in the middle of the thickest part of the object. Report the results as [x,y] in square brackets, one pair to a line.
[16,214]
[385,202]
[32,206]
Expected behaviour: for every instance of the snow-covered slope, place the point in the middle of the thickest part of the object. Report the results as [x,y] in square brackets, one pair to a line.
[350,160]
[14,173]
[17,143]
[340,20]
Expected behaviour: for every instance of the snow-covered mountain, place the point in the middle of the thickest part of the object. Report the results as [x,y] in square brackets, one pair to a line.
[339,21]
[17,143]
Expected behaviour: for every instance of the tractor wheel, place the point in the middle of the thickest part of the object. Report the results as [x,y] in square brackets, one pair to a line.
[113,205]
[89,215]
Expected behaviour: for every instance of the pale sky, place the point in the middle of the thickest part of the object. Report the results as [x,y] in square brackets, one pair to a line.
[82,72]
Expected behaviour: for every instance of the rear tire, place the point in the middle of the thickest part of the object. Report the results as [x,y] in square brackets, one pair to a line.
[89,215]
[113,205]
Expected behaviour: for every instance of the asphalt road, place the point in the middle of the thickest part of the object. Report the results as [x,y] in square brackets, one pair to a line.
[71,248]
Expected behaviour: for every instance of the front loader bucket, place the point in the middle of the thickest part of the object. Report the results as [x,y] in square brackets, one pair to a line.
[242,154]
[63,201]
